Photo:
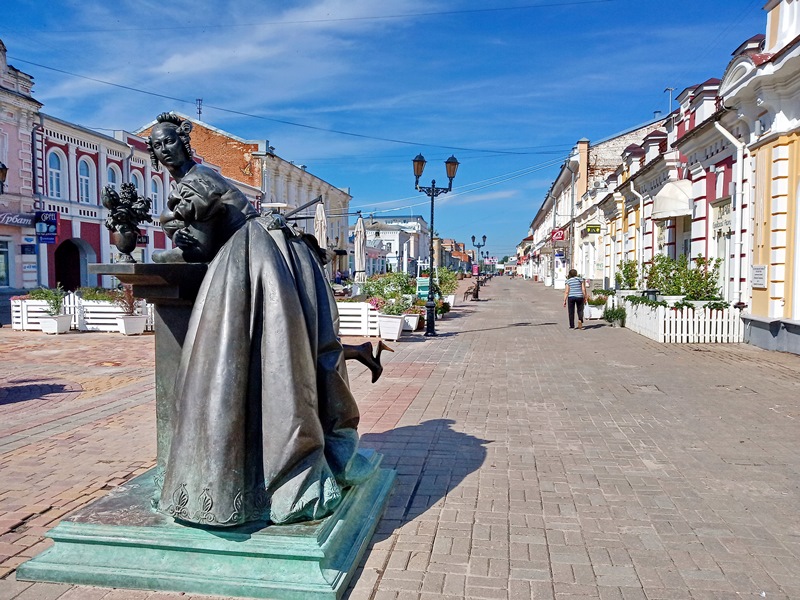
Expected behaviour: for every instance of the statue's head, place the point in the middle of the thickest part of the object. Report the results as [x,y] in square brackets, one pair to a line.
[169,141]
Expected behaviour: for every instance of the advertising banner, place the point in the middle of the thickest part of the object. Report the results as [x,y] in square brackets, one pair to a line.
[46,225]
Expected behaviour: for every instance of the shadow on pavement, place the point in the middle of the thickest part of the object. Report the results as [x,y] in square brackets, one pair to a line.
[11,394]
[453,333]
[431,460]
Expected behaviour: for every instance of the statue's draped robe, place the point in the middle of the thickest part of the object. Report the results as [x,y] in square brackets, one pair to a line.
[265,420]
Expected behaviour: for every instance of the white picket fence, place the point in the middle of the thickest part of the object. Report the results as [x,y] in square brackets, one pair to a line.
[87,315]
[357,318]
[685,325]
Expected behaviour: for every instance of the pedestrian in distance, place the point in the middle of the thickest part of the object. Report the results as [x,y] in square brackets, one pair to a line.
[575,296]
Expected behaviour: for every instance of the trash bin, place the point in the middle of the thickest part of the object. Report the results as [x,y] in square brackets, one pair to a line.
[650,294]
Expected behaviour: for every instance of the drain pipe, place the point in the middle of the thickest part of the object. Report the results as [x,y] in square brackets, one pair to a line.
[640,233]
[737,231]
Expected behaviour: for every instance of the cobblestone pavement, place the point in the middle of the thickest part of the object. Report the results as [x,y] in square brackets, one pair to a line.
[533,461]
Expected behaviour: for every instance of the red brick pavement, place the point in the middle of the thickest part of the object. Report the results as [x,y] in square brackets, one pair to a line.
[533,461]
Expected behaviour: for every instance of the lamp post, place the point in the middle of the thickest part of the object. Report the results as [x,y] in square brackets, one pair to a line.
[476,291]
[3,174]
[451,166]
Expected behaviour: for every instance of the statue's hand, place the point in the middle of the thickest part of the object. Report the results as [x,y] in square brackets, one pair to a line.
[185,240]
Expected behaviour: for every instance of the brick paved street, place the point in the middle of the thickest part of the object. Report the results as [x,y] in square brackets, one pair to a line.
[533,461]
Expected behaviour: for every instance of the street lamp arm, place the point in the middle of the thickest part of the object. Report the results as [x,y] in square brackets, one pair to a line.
[433,191]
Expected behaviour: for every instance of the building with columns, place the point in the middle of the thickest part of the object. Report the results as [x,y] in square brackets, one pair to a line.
[761,87]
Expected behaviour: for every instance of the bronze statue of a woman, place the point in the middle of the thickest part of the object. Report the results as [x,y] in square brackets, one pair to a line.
[265,423]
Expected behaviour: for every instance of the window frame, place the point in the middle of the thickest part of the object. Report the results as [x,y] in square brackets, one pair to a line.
[86,183]
[56,179]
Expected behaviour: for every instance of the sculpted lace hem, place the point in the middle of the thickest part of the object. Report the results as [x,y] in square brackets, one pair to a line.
[317,502]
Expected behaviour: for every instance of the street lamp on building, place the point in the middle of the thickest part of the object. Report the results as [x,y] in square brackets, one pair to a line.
[3,175]
[451,166]
[477,288]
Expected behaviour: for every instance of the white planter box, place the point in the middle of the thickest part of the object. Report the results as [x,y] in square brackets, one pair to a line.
[670,300]
[450,299]
[131,324]
[593,312]
[357,318]
[410,322]
[55,325]
[391,326]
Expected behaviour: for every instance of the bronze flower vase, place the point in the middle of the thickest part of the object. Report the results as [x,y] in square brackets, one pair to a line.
[125,241]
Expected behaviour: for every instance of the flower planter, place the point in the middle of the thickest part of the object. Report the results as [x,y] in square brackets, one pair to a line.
[410,322]
[55,325]
[670,300]
[626,293]
[131,324]
[450,299]
[390,326]
[593,312]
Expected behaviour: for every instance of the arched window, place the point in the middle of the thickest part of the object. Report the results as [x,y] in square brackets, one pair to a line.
[113,177]
[155,194]
[86,181]
[54,174]
[136,180]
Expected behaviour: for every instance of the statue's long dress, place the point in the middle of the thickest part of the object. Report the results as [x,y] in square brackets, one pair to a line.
[265,420]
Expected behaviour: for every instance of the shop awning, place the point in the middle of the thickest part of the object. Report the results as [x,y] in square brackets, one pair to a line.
[673,200]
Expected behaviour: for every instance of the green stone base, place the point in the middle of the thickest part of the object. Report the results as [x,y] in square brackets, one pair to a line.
[119,541]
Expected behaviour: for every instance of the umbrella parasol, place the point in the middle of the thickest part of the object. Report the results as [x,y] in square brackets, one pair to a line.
[321,226]
[360,244]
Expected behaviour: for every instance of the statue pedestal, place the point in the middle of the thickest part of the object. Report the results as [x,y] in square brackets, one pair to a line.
[121,541]
[171,289]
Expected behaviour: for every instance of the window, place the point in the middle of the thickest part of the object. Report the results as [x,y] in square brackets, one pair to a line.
[113,177]
[136,180]
[54,171]
[155,193]
[85,184]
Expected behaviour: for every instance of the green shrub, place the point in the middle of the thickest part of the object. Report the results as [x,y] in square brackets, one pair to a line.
[448,281]
[627,275]
[616,313]
[388,285]
[96,293]
[54,297]
[597,301]
[702,281]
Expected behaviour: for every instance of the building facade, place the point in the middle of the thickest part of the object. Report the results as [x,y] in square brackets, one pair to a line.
[18,115]
[761,86]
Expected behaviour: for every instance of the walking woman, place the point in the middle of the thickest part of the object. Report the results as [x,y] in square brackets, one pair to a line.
[575,294]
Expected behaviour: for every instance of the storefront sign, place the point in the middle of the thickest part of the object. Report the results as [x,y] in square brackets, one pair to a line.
[46,225]
[27,248]
[16,219]
[558,235]
[722,218]
[590,229]
[142,239]
[28,267]
[759,278]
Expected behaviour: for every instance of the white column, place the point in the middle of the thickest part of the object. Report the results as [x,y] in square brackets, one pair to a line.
[72,172]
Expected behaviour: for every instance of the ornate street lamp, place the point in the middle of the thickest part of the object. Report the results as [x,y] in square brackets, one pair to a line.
[3,175]
[451,166]
[477,288]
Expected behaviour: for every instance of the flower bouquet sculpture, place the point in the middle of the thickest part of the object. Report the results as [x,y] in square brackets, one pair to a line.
[125,211]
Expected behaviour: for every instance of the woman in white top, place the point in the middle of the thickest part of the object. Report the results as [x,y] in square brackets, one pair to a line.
[575,294]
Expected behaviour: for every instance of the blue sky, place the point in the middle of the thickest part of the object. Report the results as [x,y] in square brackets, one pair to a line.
[506,86]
